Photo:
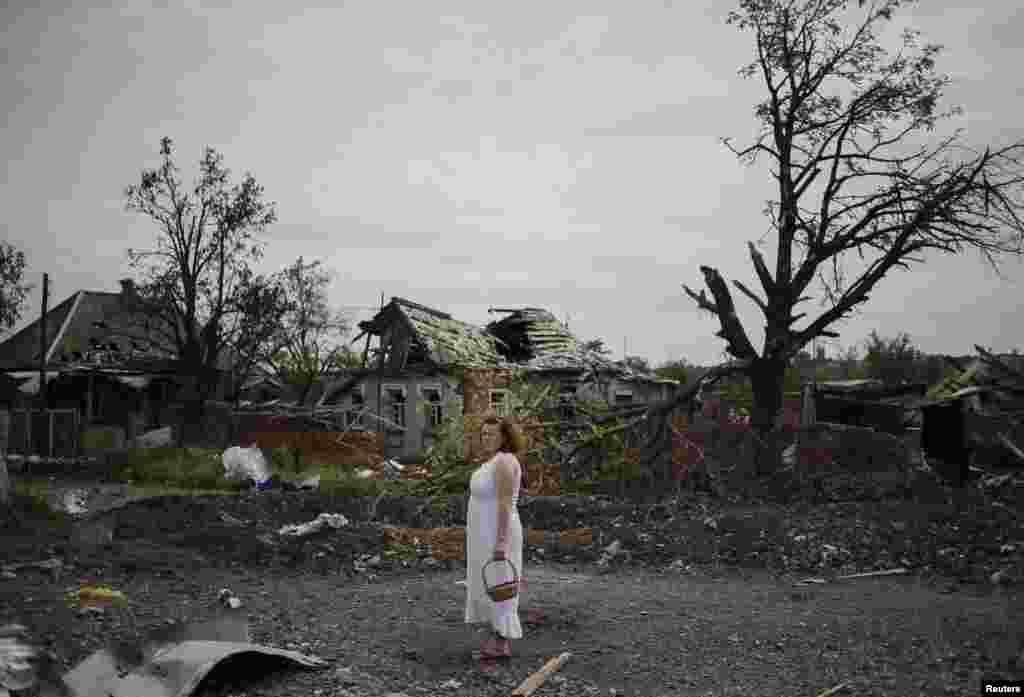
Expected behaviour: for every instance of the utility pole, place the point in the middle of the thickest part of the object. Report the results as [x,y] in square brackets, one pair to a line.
[42,342]
[380,376]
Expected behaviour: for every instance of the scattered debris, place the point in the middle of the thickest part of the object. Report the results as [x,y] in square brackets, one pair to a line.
[92,596]
[392,470]
[610,552]
[534,681]
[1001,578]
[231,520]
[311,483]
[833,690]
[811,582]
[848,577]
[228,599]
[241,464]
[74,502]
[452,684]
[158,438]
[174,671]
[24,665]
[334,520]
[870,574]
[53,564]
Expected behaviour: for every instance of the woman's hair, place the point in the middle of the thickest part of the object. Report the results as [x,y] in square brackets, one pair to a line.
[512,441]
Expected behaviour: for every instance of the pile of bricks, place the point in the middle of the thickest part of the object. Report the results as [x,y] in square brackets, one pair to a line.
[445,543]
[544,480]
[342,448]
[449,544]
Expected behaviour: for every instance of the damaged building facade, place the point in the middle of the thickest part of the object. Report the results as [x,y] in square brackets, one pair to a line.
[106,375]
[427,363]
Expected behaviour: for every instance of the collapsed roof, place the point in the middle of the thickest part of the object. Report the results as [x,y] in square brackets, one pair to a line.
[435,335]
[529,338]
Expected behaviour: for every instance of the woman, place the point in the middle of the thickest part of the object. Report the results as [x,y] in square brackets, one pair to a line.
[494,533]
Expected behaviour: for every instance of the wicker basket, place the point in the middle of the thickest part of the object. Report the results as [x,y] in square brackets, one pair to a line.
[502,591]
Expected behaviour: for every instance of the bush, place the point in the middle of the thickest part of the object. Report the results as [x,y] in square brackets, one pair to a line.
[578,487]
[351,485]
[188,468]
[286,459]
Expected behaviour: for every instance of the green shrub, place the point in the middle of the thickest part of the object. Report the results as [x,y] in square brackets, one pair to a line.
[286,459]
[578,487]
[188,468]
[347,484]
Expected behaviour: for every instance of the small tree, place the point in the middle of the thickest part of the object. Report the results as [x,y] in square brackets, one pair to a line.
[198,281]
[12,297]
[892,360]
[12,288]
[638,364]
[846,126]
[674,370]
[310,339]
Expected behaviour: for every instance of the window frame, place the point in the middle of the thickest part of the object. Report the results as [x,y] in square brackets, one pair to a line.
[501,407]
[352,415]
[397,409]
[435,410]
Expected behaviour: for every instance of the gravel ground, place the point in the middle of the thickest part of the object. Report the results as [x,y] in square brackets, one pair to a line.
[712,628]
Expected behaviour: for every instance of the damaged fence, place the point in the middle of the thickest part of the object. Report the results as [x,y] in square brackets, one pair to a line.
[270,431]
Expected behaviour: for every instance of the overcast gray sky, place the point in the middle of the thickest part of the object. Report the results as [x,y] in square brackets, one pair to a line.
[463,154]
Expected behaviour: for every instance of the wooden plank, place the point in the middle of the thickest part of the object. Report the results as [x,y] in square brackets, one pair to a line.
[528,686]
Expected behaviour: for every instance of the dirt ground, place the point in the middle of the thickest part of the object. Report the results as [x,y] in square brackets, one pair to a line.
[715,627]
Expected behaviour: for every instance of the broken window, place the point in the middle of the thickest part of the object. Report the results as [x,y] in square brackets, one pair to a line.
[499,402]
[354,416]
[435,409]
[394,397]
[623,398]
[567,401]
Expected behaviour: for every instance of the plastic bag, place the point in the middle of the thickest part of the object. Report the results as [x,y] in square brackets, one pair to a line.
[245,463]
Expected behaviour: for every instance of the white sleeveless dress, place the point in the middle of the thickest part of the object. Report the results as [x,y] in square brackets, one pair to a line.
[481,531]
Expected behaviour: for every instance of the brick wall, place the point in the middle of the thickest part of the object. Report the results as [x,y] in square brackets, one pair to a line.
[542,480]
[476,404]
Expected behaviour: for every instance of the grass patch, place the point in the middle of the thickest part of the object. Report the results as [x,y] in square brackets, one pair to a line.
[31,496]
[184,468]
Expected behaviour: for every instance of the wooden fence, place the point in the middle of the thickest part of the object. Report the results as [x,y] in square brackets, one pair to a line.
[49,433]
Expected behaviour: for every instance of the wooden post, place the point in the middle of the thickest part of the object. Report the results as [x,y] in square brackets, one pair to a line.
[380,377]
[42,344]
[89,397]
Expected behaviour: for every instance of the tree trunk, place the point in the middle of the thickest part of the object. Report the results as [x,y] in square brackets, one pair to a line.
[5,485]
[767,378]
[5,480]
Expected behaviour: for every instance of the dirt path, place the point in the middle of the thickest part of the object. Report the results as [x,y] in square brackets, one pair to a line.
[642,634]
[636,631]
[646,634]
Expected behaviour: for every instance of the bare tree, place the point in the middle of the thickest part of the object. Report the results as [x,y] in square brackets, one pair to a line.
[199,277]
[255,330]
[848,129]
[310,341]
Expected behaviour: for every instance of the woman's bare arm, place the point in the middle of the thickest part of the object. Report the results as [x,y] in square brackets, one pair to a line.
[506,470]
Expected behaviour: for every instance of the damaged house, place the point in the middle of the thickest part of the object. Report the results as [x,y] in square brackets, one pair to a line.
[104,371]
[418,371]
[976,418]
